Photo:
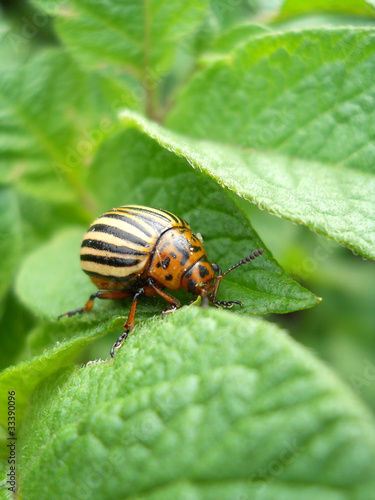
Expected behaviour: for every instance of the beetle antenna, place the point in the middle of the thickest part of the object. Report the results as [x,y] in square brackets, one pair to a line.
[220,276]
[250,257]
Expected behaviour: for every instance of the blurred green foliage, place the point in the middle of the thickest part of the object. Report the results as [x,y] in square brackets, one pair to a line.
[223,112]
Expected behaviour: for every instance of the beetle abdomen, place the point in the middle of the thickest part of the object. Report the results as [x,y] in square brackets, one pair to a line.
[117,246]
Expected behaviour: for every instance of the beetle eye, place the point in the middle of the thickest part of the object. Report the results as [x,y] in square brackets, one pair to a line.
[215,267]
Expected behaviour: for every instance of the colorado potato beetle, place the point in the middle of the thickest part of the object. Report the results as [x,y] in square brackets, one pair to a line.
[133,250]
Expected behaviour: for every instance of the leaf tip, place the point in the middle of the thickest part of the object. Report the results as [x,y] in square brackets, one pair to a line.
[128,117]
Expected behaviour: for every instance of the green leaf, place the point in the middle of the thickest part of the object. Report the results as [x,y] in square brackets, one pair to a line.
[143,35]
[315,21]
[52,121]
[50,271]
[202,405]
[14,325]
[10,238]
[5,494]
[230,166]
[228,13]
[13,47]
[350,7]
[235,36]
[297,123]
[25,376]
[41,218]
[39,121]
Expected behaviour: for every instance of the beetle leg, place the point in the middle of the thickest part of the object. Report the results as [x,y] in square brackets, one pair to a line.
[173,302]
[204,301]
[167,310]
[227,304]
[112,295]
[129,325]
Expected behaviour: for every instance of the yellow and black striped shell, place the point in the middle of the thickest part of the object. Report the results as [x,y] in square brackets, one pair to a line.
[129,244]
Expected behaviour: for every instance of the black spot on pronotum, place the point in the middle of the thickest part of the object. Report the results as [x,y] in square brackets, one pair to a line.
[203,271]
[196,248]
[167,243]
[169,277]
[191,286]
[165,263]
[189,272]
[181,247]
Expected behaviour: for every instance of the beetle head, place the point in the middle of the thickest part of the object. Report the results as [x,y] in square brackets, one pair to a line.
[204,279]
[200,278]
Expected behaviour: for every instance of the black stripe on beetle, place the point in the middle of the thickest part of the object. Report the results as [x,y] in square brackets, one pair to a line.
[110,261]
[156,225]
[119,233]
[174,217]
[130,221]
[155,214]
[109,277]
[109,247]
